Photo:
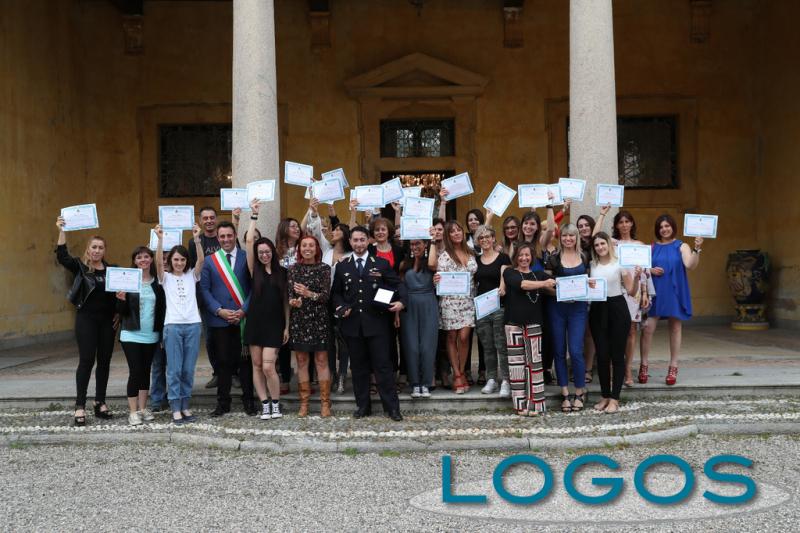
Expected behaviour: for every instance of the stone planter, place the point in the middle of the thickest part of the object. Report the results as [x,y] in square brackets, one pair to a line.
[748,279]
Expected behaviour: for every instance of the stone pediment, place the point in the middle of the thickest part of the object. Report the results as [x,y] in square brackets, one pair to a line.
[416,75]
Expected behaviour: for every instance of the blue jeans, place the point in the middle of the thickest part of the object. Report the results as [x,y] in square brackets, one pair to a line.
[158,377]
[182,343]
[568,322]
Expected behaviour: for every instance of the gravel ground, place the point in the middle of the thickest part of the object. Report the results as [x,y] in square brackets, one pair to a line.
[168,487]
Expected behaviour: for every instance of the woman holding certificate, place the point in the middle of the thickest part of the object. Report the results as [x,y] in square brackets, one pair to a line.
[456,307]
[523,290]
[142,316]
[610,320]
[94,321]
[419,330]
[671,259]
[181,322]
[568,319]
[309,285]
[267,326]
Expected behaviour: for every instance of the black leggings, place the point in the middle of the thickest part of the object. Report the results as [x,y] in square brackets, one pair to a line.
[610,322]
[140,359]
[95,336]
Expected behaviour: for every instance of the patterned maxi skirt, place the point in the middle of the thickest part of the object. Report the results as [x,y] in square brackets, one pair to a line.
[525,368]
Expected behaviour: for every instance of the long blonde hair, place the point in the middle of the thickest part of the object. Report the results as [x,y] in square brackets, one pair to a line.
[571,229]
[85,259]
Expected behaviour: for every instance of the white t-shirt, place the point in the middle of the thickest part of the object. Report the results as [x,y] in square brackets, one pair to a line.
[181,293]
[612,272]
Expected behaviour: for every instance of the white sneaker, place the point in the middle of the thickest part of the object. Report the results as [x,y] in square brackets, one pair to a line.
[266,412]
[416,392]
[425,392]
[146,415]
[134,419]
[490,387]
[276,410]
[505,389]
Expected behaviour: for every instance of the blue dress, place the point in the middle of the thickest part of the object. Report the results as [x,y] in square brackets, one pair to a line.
[672,288]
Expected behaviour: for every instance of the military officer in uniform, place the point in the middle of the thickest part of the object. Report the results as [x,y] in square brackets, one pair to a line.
[366,322]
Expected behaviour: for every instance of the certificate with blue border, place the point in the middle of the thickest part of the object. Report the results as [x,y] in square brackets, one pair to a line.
[572,188]
[338,174]
[171,238]
[457,186]
[418,207]
[264,190]
[298,174]
[695,225]
[176,216]
[571,288]
[454,284]
[499,199]
[78,217]
[415,228]
[612,195]
[600,291]
[368,196]
[392,191]
[487,303]
[230,199]
[123,279]
[533,194]
[633,255]
[328,190]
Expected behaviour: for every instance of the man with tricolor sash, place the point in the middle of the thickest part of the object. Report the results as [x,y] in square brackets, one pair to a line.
[225,285]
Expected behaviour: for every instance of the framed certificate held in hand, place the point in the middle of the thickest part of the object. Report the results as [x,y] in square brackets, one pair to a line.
[123,279]
[418,207]
[633,255]
[298,174]
[264,190]
[176,216]
[457,186]
[700,226]
[572,288]
[487,303]
[572,188]
[454,284]
[612,195]
[328,190]
[172,238]
[80,217]
[338,174]
[415,228]
[230,199]
[499,199]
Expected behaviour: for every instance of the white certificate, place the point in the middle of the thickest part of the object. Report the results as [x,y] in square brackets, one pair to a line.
[298,174]
[176,216]
[533,195]
[457,186]
[123,279]
[264,190]
[454,284]
[610,194]
[599,293]
[572,188]
[412,192]
[572,288]
[338,174]
[392,191]
[172,237]
[418,207]
[700,226]
[80,217]
[415,228]
[384,296]
[230,199]
[633,255]
[487,303]
[307,195]
[328,190]
[499,199]
[368,196]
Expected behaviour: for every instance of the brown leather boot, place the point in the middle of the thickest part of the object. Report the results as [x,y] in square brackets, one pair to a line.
[325,398]
[304,391]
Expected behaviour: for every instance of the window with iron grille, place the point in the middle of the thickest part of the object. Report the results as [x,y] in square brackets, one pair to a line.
[417,138]
[647,151]
[194,159]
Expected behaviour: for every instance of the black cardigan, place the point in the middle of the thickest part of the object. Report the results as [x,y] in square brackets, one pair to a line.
[129,309]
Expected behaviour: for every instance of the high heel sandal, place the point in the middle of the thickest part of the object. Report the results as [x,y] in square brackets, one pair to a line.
[460,384]
[80,421]
[643,375]
[583,398]
[672,375]
[102,414]
[566,399]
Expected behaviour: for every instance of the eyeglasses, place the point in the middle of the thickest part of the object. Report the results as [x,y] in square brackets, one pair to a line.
[265,252]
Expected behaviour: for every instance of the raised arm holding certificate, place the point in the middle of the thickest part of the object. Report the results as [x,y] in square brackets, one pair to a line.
[368,196]
[328,190]
[392,191]
[610,195]
[499,199]
[415,228]
[230,199]
[457,186]
[264,190]
[487,303]
[572,188]
[454,284]
[418,207]
[338,174]
[176,217]
[80,217]
[633,255]
[123,279]
[298,174]
[572,288]
[172,237]
[700,226]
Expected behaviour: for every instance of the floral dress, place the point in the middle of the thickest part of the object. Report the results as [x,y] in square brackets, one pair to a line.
[309,324]
[456,312]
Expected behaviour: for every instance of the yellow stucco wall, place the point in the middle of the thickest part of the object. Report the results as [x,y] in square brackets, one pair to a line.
[70,96]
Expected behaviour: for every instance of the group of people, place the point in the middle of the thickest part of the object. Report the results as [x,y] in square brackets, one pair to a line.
[349,295]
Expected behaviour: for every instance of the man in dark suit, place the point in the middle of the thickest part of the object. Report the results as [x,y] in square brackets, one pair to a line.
[366,323]
[225,284]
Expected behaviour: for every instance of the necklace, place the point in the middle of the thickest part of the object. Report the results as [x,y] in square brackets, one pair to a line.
[528,293]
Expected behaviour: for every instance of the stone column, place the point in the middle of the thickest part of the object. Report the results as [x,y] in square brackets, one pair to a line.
[255,105]
[592,99]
